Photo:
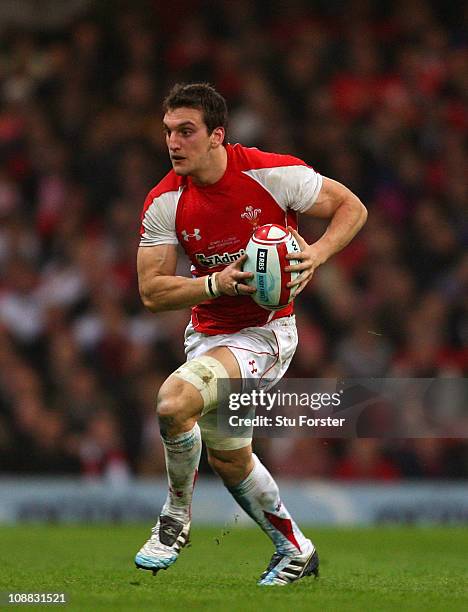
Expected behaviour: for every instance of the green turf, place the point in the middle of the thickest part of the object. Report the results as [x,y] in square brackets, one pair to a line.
[361,569]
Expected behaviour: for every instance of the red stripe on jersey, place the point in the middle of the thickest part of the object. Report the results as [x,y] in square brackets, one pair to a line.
[282,250]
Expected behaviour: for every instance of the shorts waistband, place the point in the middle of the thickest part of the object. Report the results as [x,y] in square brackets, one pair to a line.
[289,321]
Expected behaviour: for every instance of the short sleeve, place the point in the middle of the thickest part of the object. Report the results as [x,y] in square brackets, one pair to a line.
[158,220]
[294,187]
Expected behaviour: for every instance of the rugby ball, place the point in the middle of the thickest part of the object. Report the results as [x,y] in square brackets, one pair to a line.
[266,251]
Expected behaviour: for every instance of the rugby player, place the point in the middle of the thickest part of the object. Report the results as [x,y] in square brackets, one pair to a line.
[210,203]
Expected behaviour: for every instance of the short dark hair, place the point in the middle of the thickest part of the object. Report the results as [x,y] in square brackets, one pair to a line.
[202,96]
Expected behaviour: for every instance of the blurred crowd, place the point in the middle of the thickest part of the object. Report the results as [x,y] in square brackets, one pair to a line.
[371,94]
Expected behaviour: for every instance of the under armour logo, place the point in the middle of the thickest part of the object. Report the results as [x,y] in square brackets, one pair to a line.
[252,364]
[187,236]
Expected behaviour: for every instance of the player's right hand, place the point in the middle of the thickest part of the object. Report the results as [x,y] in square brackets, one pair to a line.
[231,280]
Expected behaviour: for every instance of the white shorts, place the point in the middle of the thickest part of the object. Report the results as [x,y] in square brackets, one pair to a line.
[263,354]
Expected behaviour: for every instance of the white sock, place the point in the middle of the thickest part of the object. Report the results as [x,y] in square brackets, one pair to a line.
[182,459]
[259,496]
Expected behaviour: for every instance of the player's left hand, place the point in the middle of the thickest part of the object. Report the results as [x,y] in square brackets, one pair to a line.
[309,261]
[232,280]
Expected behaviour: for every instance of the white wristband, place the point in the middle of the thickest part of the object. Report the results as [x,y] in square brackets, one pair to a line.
[214,284]
[207,291]
[211,286]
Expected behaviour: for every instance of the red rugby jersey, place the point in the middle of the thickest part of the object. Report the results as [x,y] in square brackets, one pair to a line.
[214,223]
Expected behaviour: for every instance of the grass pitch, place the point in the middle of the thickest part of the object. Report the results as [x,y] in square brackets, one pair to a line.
[361,569]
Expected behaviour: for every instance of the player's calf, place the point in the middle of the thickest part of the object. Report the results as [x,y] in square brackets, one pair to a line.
[233,466]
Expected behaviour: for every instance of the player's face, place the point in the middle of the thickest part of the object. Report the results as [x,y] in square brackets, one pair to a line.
[187,140]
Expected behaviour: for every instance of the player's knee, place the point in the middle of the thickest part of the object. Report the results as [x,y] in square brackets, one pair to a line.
[172,405]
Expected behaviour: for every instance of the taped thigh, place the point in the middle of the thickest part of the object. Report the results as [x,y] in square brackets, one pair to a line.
[208,376]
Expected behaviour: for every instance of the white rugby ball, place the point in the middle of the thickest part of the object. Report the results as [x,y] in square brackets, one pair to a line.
[266,251]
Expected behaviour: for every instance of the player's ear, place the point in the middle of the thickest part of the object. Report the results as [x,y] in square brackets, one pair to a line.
[217,137]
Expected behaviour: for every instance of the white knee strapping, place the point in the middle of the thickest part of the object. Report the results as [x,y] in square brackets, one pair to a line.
[213,438]
[206,374]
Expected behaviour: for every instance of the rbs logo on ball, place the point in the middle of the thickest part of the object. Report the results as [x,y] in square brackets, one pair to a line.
[262,260]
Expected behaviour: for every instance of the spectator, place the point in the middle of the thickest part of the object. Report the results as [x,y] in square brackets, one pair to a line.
[370,93]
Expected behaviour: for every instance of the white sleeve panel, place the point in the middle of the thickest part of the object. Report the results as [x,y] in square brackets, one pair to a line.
[295,187]
[159,220]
